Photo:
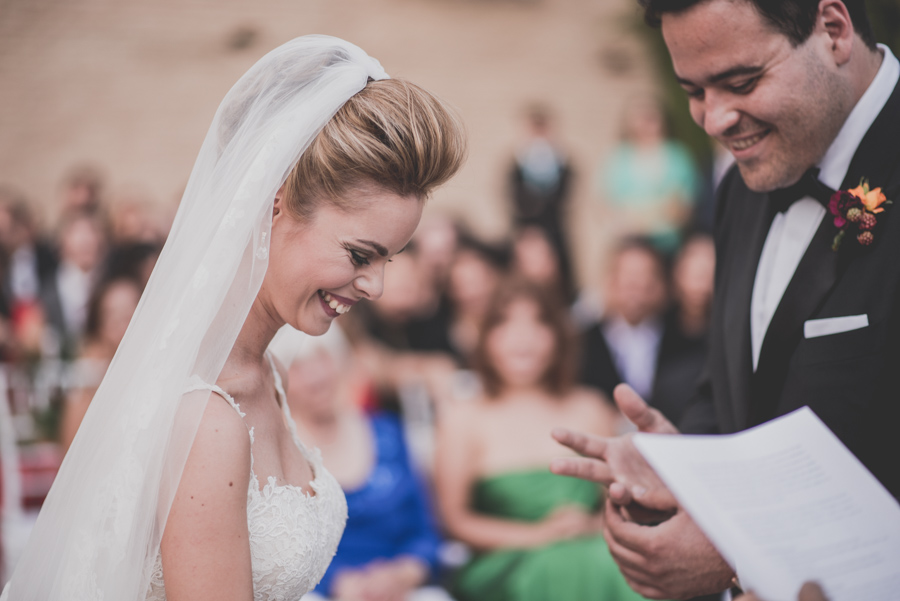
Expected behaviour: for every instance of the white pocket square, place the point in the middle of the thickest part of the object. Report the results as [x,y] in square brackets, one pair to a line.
[814,328]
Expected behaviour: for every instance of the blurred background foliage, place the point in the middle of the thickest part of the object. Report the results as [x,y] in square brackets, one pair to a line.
[885,15]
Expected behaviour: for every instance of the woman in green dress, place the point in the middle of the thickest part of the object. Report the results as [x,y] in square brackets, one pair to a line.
[536,535]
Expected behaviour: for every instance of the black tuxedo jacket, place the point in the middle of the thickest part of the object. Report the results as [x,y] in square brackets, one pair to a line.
[851,380]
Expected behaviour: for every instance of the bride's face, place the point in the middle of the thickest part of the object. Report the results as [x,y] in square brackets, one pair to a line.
[321,266]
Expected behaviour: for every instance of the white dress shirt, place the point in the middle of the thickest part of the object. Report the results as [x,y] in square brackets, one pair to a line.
[74,288]
[791,231]
[634,350]
[23,273]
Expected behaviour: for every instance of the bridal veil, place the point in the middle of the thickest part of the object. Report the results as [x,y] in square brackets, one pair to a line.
[100,528]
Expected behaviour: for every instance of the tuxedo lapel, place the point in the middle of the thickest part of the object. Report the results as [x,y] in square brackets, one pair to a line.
[815,276]
[756,219]
[821,267]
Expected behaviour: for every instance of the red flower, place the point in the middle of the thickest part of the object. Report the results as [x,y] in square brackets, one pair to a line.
[841,202]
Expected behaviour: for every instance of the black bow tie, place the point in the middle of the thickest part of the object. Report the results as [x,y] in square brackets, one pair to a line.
[809,185]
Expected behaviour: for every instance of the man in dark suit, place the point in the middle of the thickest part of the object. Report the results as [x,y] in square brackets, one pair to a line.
[657,350]
[617,348]
[798,91]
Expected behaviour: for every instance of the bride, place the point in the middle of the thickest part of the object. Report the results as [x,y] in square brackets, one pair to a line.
[187,479]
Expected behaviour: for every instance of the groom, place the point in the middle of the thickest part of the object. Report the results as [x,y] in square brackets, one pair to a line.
[800,94]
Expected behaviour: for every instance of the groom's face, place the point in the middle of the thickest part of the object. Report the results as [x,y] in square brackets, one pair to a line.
[776,107]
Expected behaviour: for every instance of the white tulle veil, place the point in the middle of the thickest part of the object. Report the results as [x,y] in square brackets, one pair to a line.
[99,530]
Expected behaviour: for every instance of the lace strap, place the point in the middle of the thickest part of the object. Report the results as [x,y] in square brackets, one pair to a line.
[279,385]
[314,456]
[198,384]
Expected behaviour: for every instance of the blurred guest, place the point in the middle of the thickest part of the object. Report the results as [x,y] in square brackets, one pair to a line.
[135,260]
[474,274]
[541,181]
[109,313]
[649,183]
[625,345]
[28,260]
[405,342]
[684,343]
[692,285]
[82,246]
[132,220]
[390,545]
[404,317]
[536,260]
[81,192]
[436,239]
[27,264]
[536,535]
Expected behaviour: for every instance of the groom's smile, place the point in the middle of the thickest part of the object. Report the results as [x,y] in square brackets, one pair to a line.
[772,104]
[738,145]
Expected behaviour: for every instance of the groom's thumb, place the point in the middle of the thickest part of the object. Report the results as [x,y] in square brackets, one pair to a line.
[646,418]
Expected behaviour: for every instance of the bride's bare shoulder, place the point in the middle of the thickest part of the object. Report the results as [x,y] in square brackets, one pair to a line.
[205,540]
[222,441]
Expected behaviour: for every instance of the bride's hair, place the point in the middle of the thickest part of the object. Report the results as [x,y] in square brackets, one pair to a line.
[392,134]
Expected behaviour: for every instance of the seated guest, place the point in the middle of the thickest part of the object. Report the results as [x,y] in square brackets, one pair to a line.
[26,264]
[82,250]
[109,312]
[536,259]
[684,343]
[624,346]
[390,545]
[536,535]
[474,274]
[657,351]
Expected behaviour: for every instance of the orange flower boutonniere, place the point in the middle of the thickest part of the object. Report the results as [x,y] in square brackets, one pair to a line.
[856,211]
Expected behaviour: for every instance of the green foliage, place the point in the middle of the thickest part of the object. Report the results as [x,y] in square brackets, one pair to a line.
[47,421]
[885,17]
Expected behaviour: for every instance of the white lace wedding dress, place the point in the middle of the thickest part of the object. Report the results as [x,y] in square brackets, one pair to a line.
[293,536]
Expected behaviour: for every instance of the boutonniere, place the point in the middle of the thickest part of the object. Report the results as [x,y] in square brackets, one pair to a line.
[857,211]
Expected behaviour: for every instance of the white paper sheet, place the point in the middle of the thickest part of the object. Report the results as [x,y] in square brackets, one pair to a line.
[784,503]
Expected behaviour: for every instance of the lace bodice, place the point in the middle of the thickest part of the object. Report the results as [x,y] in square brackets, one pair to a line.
[293,536]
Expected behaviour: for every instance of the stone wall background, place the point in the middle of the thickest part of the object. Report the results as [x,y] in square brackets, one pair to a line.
[131,86]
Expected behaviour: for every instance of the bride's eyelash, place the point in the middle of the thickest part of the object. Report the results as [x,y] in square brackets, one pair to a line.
[358,258]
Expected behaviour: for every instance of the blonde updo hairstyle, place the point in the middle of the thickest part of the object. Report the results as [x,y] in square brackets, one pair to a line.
[392,135]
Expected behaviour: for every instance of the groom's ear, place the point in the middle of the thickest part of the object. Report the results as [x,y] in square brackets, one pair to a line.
[834,21]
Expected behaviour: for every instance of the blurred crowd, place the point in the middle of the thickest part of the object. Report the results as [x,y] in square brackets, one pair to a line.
[433,405]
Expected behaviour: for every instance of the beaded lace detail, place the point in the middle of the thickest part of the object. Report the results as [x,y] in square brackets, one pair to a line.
[293,536]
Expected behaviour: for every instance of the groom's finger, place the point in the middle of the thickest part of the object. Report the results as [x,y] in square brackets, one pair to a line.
[583,444]
[582,467]
[620,494]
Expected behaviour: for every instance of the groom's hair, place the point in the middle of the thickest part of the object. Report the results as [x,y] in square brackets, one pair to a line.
[793,18]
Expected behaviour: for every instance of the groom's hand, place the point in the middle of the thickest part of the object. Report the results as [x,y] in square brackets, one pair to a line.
[672,560]
[616,462]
